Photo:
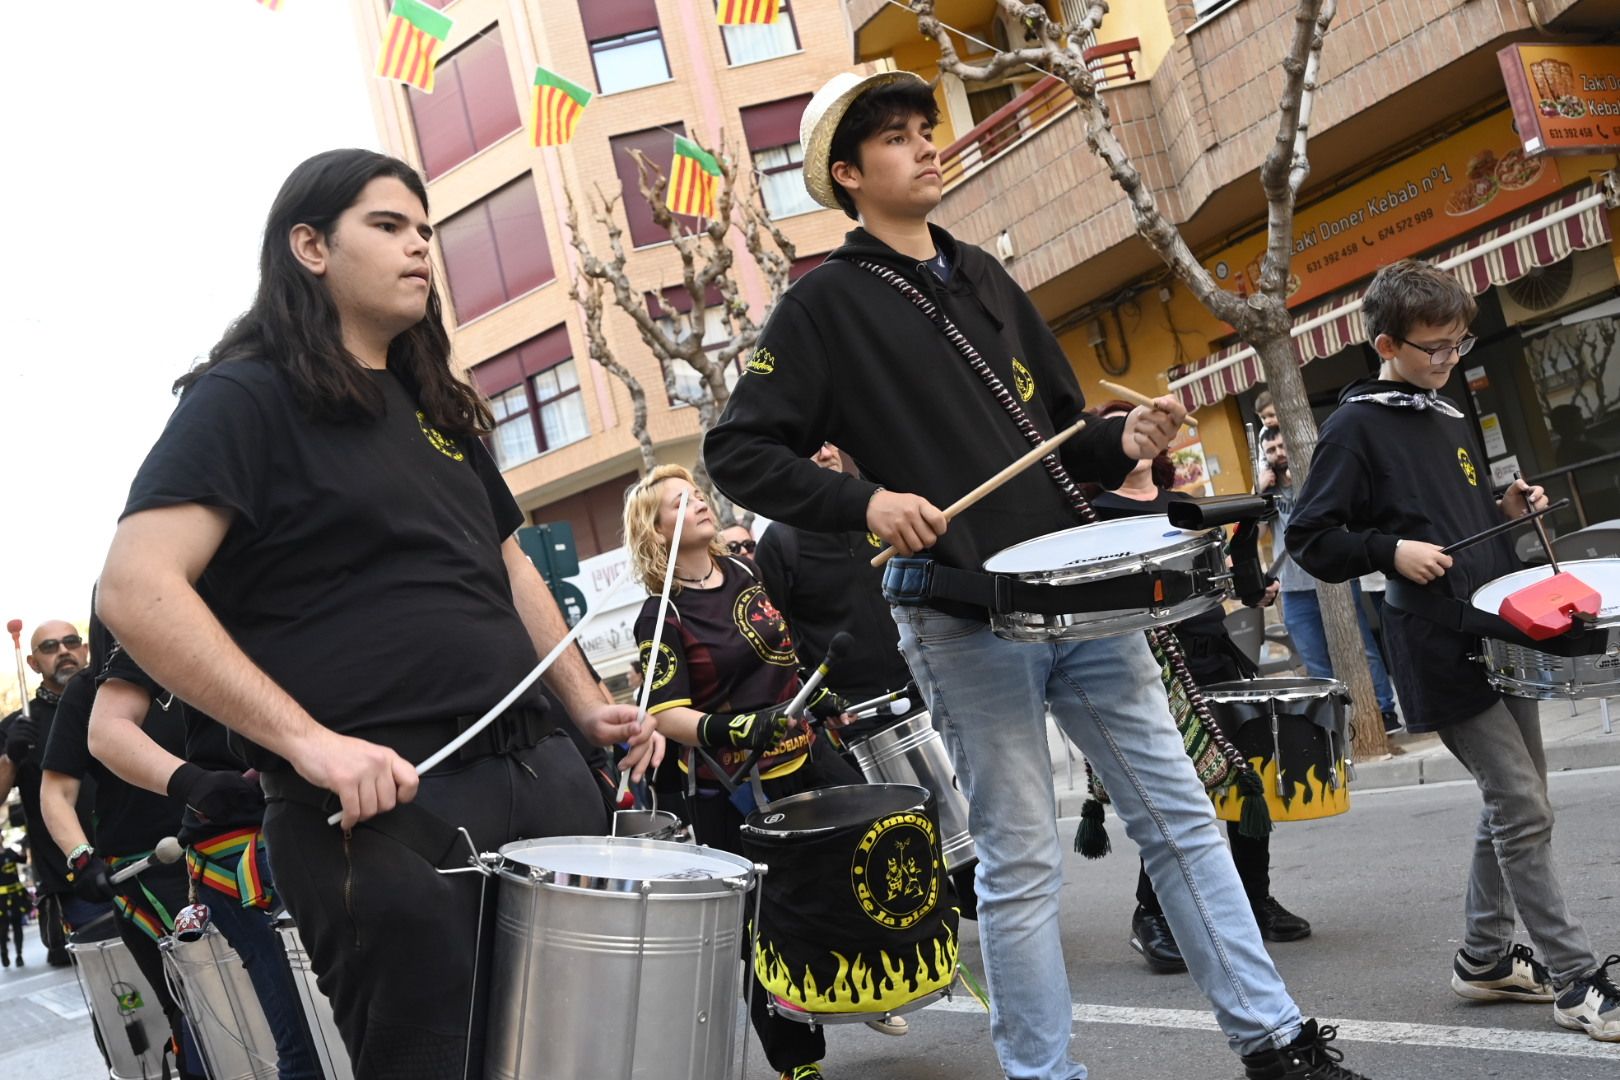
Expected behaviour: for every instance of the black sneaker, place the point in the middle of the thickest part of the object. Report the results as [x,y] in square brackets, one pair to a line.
[1308,1057]
[1591,1004]
[1392,723]
[1277,923]
[1151,936]
[1518,976]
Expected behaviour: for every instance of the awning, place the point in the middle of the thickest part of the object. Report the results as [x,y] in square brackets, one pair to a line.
[1547,234]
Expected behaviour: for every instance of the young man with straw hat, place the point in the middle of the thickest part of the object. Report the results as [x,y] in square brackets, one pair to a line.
[921,358]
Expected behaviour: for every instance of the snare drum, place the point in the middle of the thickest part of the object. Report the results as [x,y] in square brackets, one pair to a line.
[119,999]
[1295,733]
[854,922]
[1520,671]
[615,957]
[651,825]
[1184,574]
[911,752]
[213,988]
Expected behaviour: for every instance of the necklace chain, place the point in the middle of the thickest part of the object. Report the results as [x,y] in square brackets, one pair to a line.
[697,580]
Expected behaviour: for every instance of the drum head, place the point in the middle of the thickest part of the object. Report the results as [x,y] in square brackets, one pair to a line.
[1602,574]
[621,863]
[1104,542]
[1278,689]
[831,808]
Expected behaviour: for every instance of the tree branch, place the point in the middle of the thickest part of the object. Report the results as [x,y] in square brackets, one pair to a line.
[1287,165]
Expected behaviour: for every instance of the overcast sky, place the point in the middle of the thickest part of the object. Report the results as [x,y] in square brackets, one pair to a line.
[146,142]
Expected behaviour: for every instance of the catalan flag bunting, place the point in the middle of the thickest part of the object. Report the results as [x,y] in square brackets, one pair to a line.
[747,12]
[411,43]
[694,180]
[558,105]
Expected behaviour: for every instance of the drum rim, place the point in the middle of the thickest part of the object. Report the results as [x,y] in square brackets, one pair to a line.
[1191,540]
[1570,565]
[1322,688]
[748,828]
[536,875]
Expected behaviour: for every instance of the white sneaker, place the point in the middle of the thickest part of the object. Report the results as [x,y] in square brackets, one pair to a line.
[1591,1004]
[893,1025]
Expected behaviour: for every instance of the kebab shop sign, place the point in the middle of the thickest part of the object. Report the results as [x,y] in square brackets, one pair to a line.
[1435,195]
[1566,98]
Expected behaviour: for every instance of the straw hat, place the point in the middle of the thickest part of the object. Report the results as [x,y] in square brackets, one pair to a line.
[821,119]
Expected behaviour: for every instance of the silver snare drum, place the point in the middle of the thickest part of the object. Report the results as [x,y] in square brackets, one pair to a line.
[1112,550]
[1520,671]
[911,752]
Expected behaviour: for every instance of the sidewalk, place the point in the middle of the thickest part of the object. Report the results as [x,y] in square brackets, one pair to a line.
[1573,733]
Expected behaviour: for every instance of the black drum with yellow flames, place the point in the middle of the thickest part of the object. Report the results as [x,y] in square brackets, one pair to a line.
[1295,733]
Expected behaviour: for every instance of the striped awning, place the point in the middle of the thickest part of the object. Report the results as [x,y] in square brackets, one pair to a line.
[1479,262]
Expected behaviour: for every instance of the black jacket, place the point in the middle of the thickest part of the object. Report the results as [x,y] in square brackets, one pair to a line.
[1381,474]
[847,358]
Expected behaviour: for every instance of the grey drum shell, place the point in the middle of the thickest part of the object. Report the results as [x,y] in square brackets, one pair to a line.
[1521,671]
[1202,555]
[911,752]
[102,967]
[212,986]
[329,1048]
[615,977]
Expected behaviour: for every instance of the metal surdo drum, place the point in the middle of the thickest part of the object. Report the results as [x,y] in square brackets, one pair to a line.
[329,1049]
[651,825]
[615,958]
[1295,732]
[911,752]
[855,920]
[1177,574]
[208,980]
[128,1019]
[1522,671]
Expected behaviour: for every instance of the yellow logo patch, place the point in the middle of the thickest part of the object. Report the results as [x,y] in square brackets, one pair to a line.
[1466,464]
[895,873]
[445,446]
[1023,381]
[664,670]
[762,362]
[874,539]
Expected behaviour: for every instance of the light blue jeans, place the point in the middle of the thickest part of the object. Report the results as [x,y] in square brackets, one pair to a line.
[989,698]
[1302,615]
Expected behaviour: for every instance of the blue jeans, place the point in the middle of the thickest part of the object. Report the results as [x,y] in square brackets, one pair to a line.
[1302,615]
[989,699]
[251,932]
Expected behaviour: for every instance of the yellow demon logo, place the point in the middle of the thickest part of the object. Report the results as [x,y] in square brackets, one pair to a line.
[1466,464]
[1023,381]
[445,446]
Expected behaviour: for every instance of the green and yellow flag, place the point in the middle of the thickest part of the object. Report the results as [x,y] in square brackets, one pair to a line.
[558,105]
[747,12]
[694,180]
[411,43]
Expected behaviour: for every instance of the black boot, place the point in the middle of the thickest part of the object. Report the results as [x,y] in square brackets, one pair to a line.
[1151,936]
[1277,923]
[1308,1057]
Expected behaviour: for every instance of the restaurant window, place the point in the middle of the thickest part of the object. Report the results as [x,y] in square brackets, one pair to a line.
[658,144]
[472,106]
[751,44]
[534,393]
[772,132]
[627,45]
[496,250]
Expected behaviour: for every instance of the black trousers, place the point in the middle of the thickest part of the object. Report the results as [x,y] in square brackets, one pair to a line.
[716,823]
[394,943]
[1251,857]
[12,923]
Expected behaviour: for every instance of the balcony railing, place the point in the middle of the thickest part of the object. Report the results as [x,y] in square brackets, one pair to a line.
[1031,111]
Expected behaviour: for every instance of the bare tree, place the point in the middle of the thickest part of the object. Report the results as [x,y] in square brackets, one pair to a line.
[707,263]
[1261,320]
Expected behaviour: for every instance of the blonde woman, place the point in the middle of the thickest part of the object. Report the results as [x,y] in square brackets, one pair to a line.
[722,679]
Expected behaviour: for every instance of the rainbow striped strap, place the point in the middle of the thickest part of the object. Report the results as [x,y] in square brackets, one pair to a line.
[141,907]
[229,863]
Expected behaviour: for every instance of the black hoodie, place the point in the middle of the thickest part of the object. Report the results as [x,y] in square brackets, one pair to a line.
[846,358]
[1384,473]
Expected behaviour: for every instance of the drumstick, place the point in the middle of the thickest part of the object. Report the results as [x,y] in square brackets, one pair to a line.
[1136,397]
[1035,454]
[1502,527]
[658,630]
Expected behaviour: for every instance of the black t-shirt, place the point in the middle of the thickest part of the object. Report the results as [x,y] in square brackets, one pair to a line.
[126,820]
[362,570]
[50,862]
[725,649]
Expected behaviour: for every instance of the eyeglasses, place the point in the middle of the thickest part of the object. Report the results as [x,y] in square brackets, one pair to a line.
[49,646]
[1439,354]
[741,547]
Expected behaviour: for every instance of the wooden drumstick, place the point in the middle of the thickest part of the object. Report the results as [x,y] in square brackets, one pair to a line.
[1136,397]
[1035,454]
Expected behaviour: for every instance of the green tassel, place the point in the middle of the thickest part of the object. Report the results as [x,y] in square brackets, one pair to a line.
[975,991]
[1091,839]
[1255,821]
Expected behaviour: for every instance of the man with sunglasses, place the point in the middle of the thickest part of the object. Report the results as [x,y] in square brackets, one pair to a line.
[739,541]
[57,653]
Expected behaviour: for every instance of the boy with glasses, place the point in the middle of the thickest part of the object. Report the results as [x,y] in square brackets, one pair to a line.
[1399,473]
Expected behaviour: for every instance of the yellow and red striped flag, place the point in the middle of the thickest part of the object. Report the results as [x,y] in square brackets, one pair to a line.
[411,43]
[558,105]
[694,180]
[747,12]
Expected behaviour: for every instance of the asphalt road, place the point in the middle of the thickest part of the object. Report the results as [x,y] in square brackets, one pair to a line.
[1382,884]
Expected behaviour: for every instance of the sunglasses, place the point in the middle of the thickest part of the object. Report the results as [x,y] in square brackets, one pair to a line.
[49,646]
[741,547]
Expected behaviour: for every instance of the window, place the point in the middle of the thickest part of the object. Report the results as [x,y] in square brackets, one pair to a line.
[534,393]
[749,44]
[472,107]
[772,131]
[627,47]
[658,144]
[496,250]
[673,309]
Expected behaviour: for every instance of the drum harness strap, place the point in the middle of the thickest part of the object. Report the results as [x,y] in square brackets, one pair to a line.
[1092,839]
[1465,618]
